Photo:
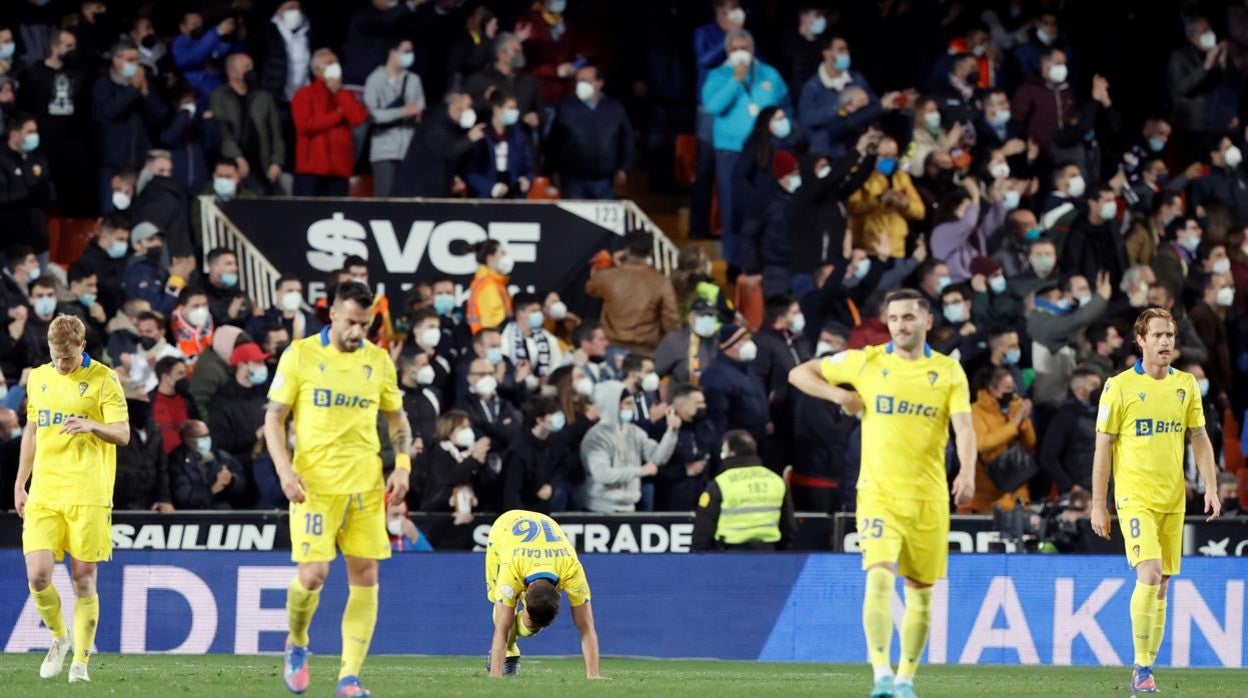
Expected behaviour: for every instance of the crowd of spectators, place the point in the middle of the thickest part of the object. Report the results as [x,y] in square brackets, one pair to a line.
[994,170]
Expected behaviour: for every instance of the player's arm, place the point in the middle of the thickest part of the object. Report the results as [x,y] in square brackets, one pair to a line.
[115,433]
[1202,448]
[968,453]
[275,416]
[25,464]
[583,617]
[1102,459]
[504,618]
[809,378]
[401,438]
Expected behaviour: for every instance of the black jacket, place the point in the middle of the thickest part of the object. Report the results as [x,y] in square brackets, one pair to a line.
[767,234]
[193,478]
[818,228]
[675,489]
[25,188]
[234,415]
[519,84]
[124,121]
[165,203]
[422,405]
[735,397]
[272,63]
[1069,440]
[820,438]
[110,277]
[142,472]
[778,353]
[433,157]
[219,299]
[1223,186]
[503,430]
[527,466]
[590,143]
[445,473]
[706,518]
[1091,248]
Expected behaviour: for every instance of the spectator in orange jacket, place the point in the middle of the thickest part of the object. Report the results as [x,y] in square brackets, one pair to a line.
[489,301]
[1001,419]
[324,115]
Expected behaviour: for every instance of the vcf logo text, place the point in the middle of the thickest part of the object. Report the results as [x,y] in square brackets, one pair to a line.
[332,240]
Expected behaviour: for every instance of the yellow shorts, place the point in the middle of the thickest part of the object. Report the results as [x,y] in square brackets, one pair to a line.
[352,523]
[84,531]
[1152,535]
[911,533]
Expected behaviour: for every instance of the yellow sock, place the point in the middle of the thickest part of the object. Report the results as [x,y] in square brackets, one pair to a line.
[358,620]
[86,619]
[914,626]
[300,607]
[1143,620]
[877,617]
[48,603]
[1159,628]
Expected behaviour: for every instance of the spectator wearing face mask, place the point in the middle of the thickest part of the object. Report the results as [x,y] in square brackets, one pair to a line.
[82,302]
[147,275]
[837,101]
[1071,435]
[126,109]
[802,50]
[962,335]
[57,91]
[1225,184]
[1194,73]
[225,185]
[821,433]
[198,52]
[735,395]
[684,476]
[1175,258]
[107,254]
[525,340]
[529,464]
[996,130]
[236,410]
[226,301]
[286,51]
[500,165]
[992,306]
[1041,269]
[931,133]
[287,312]
[885,203]
[324,115]
[21,267]
[171,401]
[1045,103]
[1209,319]
[591,140]
[686,351]
[1094,244]
[767,230]
[618,454]
[735,94]
[142,477]
[251,131]
[506,74]
[395,98]
[782,344]
[422,400]
[163,201]
[454,462]
[190,135]
[753,177]
[1054,322]
[642,383]
[819,222]
[489,301]
[25,185]
[205,476]
[444,136]
[491,414]
[1002,419]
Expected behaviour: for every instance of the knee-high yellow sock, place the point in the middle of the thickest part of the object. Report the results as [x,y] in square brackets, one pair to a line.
[1143,620]
[914,626]
[300,607]
[48,604]
[358,620]
[1159,628]
[877,618]
[86,619]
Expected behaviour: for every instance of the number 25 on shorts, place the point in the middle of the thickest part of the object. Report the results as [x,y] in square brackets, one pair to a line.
[871,528]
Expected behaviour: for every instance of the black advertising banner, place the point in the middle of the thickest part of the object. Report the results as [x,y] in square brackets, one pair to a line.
[412,240]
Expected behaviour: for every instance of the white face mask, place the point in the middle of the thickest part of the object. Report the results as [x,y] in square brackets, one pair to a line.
[797,323]
[932,120]
[395,526]
[429,338]
[292,18]
[291,300]
[740,57]
[198,316]
[1057,73]
[1233,156]
[1221,266]
[333,71]
[1208,40]
[997,284]
[505,264]
[464,438]
[121,200]
[748,351]
[485,386]
[1226,296]
[999,170]
[557,311]
[955,313]
[1075,186]
[424,375]
[650,382]
[823,171]
[585,91]
[822,349]
[468,118]
[736,15]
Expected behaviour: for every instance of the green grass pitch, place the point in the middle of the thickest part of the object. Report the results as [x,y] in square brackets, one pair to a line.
[224,675]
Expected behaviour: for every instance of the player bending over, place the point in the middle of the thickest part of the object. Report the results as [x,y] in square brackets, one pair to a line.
[1147,412]
[528,563]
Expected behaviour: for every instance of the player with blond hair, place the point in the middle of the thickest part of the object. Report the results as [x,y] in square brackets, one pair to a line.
[75,420]
[1146,417]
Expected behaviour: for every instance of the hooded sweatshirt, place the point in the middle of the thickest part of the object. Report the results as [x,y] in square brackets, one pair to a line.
[614,453]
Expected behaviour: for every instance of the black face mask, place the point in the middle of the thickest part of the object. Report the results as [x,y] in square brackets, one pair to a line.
[277,351]
[1005,401]
[147,343]
[972,78]
[149,42]
[1230,504]
[182,385]
[1094,397]
[139,412]
[250,79]
[154,253]
[197,33]
[700,414]
[70,56]
[597,359]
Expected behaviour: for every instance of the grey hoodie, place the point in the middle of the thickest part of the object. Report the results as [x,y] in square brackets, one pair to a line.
[613,454]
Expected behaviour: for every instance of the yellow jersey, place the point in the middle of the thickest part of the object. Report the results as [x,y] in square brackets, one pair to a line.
[905,422]
[335,396]
[1150,418]
[73,469]
[528,546]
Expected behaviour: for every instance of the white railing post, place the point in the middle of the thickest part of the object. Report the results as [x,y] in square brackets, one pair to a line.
[257,275]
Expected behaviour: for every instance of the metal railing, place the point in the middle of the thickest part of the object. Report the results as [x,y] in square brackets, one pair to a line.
[256,274]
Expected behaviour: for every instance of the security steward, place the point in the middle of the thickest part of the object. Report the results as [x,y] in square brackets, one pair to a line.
[747,506]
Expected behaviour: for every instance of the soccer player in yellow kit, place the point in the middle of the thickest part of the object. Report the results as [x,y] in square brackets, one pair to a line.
[908,395]
[335,382]
[75,420]
[1147,413]
[529,561]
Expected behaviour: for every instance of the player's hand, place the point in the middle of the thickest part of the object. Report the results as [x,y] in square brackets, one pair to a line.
[1213,505]
[77,425]
[397,484]
[19,500]
[292,486]
[963,489]
[1100,520]
[649,470]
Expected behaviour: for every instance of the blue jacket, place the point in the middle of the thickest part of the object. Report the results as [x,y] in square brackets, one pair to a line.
[708,49]
[735,398]
[189,139]
[147,280]
[191,56]
[481,173]
[818,113]
[124,119]
[729,101]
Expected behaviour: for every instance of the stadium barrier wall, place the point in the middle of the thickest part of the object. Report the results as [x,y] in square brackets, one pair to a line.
[993,609]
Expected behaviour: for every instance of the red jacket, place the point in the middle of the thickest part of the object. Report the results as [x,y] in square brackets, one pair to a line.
[323,123]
